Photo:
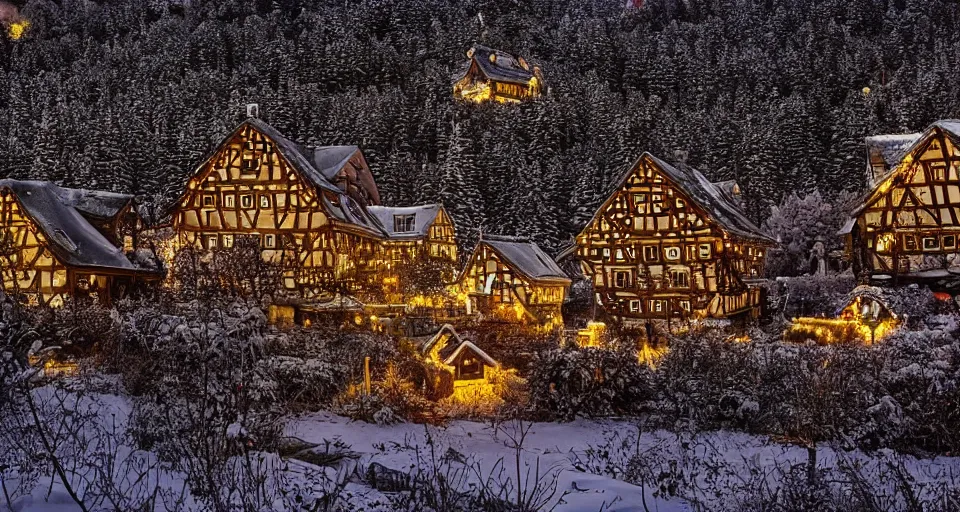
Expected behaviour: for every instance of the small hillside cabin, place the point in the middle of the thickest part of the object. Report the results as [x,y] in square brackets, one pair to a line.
[57,242]
[668,244]
[907,227]
[494,75]
[310,207]
[513,280]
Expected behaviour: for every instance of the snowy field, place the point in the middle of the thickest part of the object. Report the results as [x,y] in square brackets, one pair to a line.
[707,471]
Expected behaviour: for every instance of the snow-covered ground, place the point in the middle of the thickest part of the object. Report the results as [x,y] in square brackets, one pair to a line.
[710,468]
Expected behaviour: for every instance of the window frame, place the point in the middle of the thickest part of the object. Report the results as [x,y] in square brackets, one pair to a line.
[651,253]
[953,244]
[626,281]
[246,201]
[405,223]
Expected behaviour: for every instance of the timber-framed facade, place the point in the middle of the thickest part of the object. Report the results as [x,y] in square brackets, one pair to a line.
[513,280]
[312,210]
[908,226]
[668,244]
[57,243]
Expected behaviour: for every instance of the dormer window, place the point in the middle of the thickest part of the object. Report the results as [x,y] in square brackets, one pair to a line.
[404,223]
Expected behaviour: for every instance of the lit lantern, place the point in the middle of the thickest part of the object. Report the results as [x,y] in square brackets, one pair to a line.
[866,91]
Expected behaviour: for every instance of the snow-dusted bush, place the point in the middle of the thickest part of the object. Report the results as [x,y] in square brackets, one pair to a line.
[572,382]
[204,398]
[312,382]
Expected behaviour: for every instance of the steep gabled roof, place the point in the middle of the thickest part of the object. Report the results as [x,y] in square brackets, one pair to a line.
[950,128]
[72,239]
[505,68]
[313,165]
[450,353]
[526,257]
[710,197]
[424,217]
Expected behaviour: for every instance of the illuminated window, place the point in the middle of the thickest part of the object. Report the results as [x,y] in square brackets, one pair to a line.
[621,278]
[264,201]
[404,223]
[619,256]
[679,279]
[658,306]
[685,305]
[657,203]
[229,200]
[931,243]
[634,306]
[280,200]
[910,242]
[250,165]
[212,242]
[208,200]
[680,203]
[246,201]
[705,251]
[939,173]
[884,243]
[269,241]
[671,253]
[651,253]
[691,252]
[949,241]
[227,241]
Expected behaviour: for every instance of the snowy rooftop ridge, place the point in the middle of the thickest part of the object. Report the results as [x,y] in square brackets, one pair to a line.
[707,195]
[505,68]
[70,236]
[527,258]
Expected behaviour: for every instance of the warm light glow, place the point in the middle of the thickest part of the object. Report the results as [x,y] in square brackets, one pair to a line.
[650,356]
[592,336]
[18,29]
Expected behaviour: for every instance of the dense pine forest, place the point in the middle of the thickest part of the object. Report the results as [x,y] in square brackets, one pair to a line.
[130,95]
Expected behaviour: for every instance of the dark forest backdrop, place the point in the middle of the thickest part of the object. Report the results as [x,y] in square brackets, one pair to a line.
[129,95]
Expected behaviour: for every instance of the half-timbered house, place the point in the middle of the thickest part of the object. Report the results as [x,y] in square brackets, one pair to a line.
[907,227]
[494,75]
[57,242]
[667,243]
[314,210]
[514,280]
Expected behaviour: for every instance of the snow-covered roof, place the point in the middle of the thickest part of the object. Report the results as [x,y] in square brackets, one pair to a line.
[453,346]
[330,159]
[891,148]
[526,257]
[710,197]
[445,329]
[424,217]
[911,301]
[95,203]
[505,68]
[467,345]
[71,237]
